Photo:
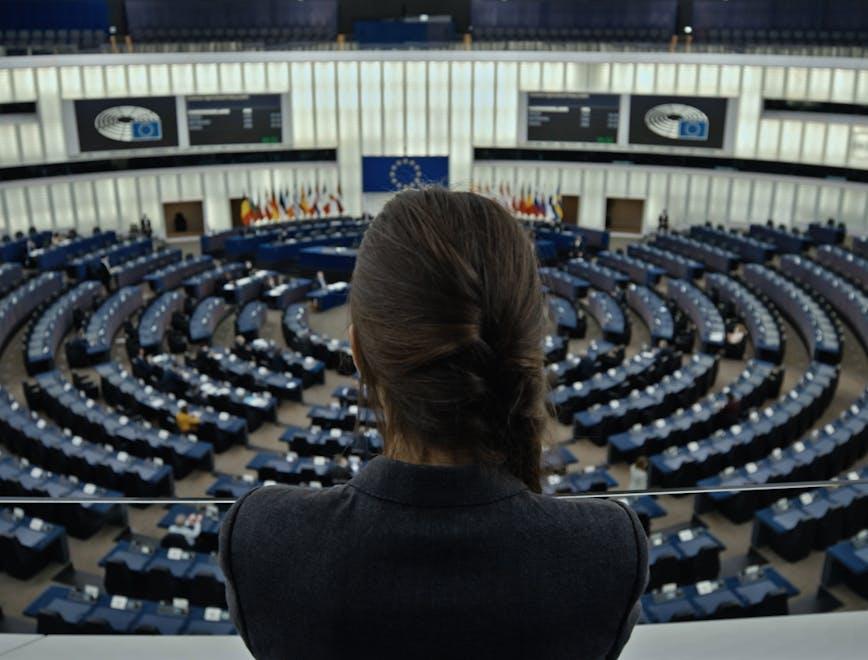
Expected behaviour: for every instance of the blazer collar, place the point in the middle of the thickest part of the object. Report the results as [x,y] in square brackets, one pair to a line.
[434,485]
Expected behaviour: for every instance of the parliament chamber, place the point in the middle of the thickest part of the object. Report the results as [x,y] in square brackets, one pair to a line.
[181,208]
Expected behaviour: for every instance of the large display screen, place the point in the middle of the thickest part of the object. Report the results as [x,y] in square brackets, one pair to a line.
[678,121]
[126,123]
[234,119]
[572,118]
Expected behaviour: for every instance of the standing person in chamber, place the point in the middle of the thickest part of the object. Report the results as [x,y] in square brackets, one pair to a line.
[663,221]
[321,280]
[443,547]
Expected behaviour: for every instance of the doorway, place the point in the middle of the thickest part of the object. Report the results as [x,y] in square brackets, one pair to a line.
[570,208]
[183,219]
[624,215]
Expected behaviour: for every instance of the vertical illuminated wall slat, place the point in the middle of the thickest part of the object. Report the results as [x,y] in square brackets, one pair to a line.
[325,104]
[116,80]
[784,200]
[160,80]
[254,77]
[371,90]
[417,108]
[350,153]
[460,147]
[50,111]
[230,78]
[106,205]
[128,202]
[393,108]
[215,203]
[439,101]
[303,131]
[207,78]
[483,104]
[506,119]
[749,111]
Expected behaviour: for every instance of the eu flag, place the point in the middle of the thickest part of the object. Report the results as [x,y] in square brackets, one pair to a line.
[392,173]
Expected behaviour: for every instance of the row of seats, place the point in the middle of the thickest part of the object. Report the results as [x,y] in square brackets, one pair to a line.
[598,356]
[18,306]
[155,320]
[172,275]
[569,321]
[641,370]
[267,353]
[847,562]
[56,257]
[82,267]
[641,272]
[222,364]
[596,274]
[564,284]
[674,264]
[705,316]
[269,35]
[783,239]
[105,322]
[757,382]
[845,263]
[334,353]
[813,520]
[62,610]
[207,315]
[610,316]
[751,438]
[846,298]
[141,569]
[211,281]
[317,441]
[245,289]
[711,256]
[748,248]
[50,38]
[653,311]
[51,327]
[815,326]
[59,450]
[816,456]
[134,271]
[755,591]
[294,290]
[255,408]
[20,478]
[27,544]
[677,390]
[683,556]
[762,326]
[251,319]
[73,409]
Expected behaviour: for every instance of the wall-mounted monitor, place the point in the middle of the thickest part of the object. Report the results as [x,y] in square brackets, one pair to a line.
[126,123]
[235,119]
[573,117]
[678,121]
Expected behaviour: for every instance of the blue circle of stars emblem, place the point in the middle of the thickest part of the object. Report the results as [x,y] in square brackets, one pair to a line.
[405,173]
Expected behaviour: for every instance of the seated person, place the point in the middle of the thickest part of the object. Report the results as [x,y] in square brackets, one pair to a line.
[187,527]
[446,533]
[186,421]
[736,339]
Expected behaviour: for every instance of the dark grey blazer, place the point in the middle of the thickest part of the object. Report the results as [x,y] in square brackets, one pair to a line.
[411,561]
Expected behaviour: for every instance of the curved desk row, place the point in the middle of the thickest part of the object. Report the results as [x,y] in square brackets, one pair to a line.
[641,272]
[610,316]
[51,327]
[813,324]
[748,248]
[845,263]
[156,318]
[703,313]
[711,256]
[653,311]
[637,372]
[564,284]
[17,306]
[133,272]
[673,263]
[172,275]
[105,322]
[756,383]
[765,335]
[677,390]
[209,282]
[267,353]
[599,355]
[570,322]
[600,276]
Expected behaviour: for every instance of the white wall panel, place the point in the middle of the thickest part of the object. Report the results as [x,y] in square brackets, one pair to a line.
[31,142]
[128,201]
[828,203]
[439,103]
[665,78]
[24,84]
[350,153]
[813,142]
[253,74]
[207,78]
[106,204]
[677,202]
[749,109]
[160,79]
[718,199]
[140,83]
[761,202]
[796,82]
[229,74]
[730,80]
[819,83]
[39,204]
[530,77]
[805,209]
[783,200]
[93,81]
[7,92]
[216,206]
[687,78]
[837,144]
[417,108]
[15,202]
[371,92]
[325,102]
[10,154]
[303,131]
[577,77]
[739,202]
[483,103]
[116,80]
[71,84]
[61,199]
[506,103]
[393,108]
[854,205]
[460,146]
[697,201]
[622,77]
[50,113]
[85,204]
[709,79]
[277,76]
[791,140]
[645,78]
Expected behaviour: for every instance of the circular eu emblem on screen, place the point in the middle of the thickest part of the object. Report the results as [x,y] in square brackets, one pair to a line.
[677,121]
[129,123]
[405,173]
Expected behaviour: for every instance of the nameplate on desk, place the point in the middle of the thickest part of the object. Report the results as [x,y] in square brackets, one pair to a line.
[36,524]
[118,603]
[686,535]
[213,614]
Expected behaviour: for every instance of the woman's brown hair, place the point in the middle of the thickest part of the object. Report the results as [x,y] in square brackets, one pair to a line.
[448,321]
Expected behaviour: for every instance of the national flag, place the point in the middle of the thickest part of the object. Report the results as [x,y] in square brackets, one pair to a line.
[273,208]
[336,198]
[246,211]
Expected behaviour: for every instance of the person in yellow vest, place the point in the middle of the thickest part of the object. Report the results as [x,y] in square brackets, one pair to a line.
[187,422]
